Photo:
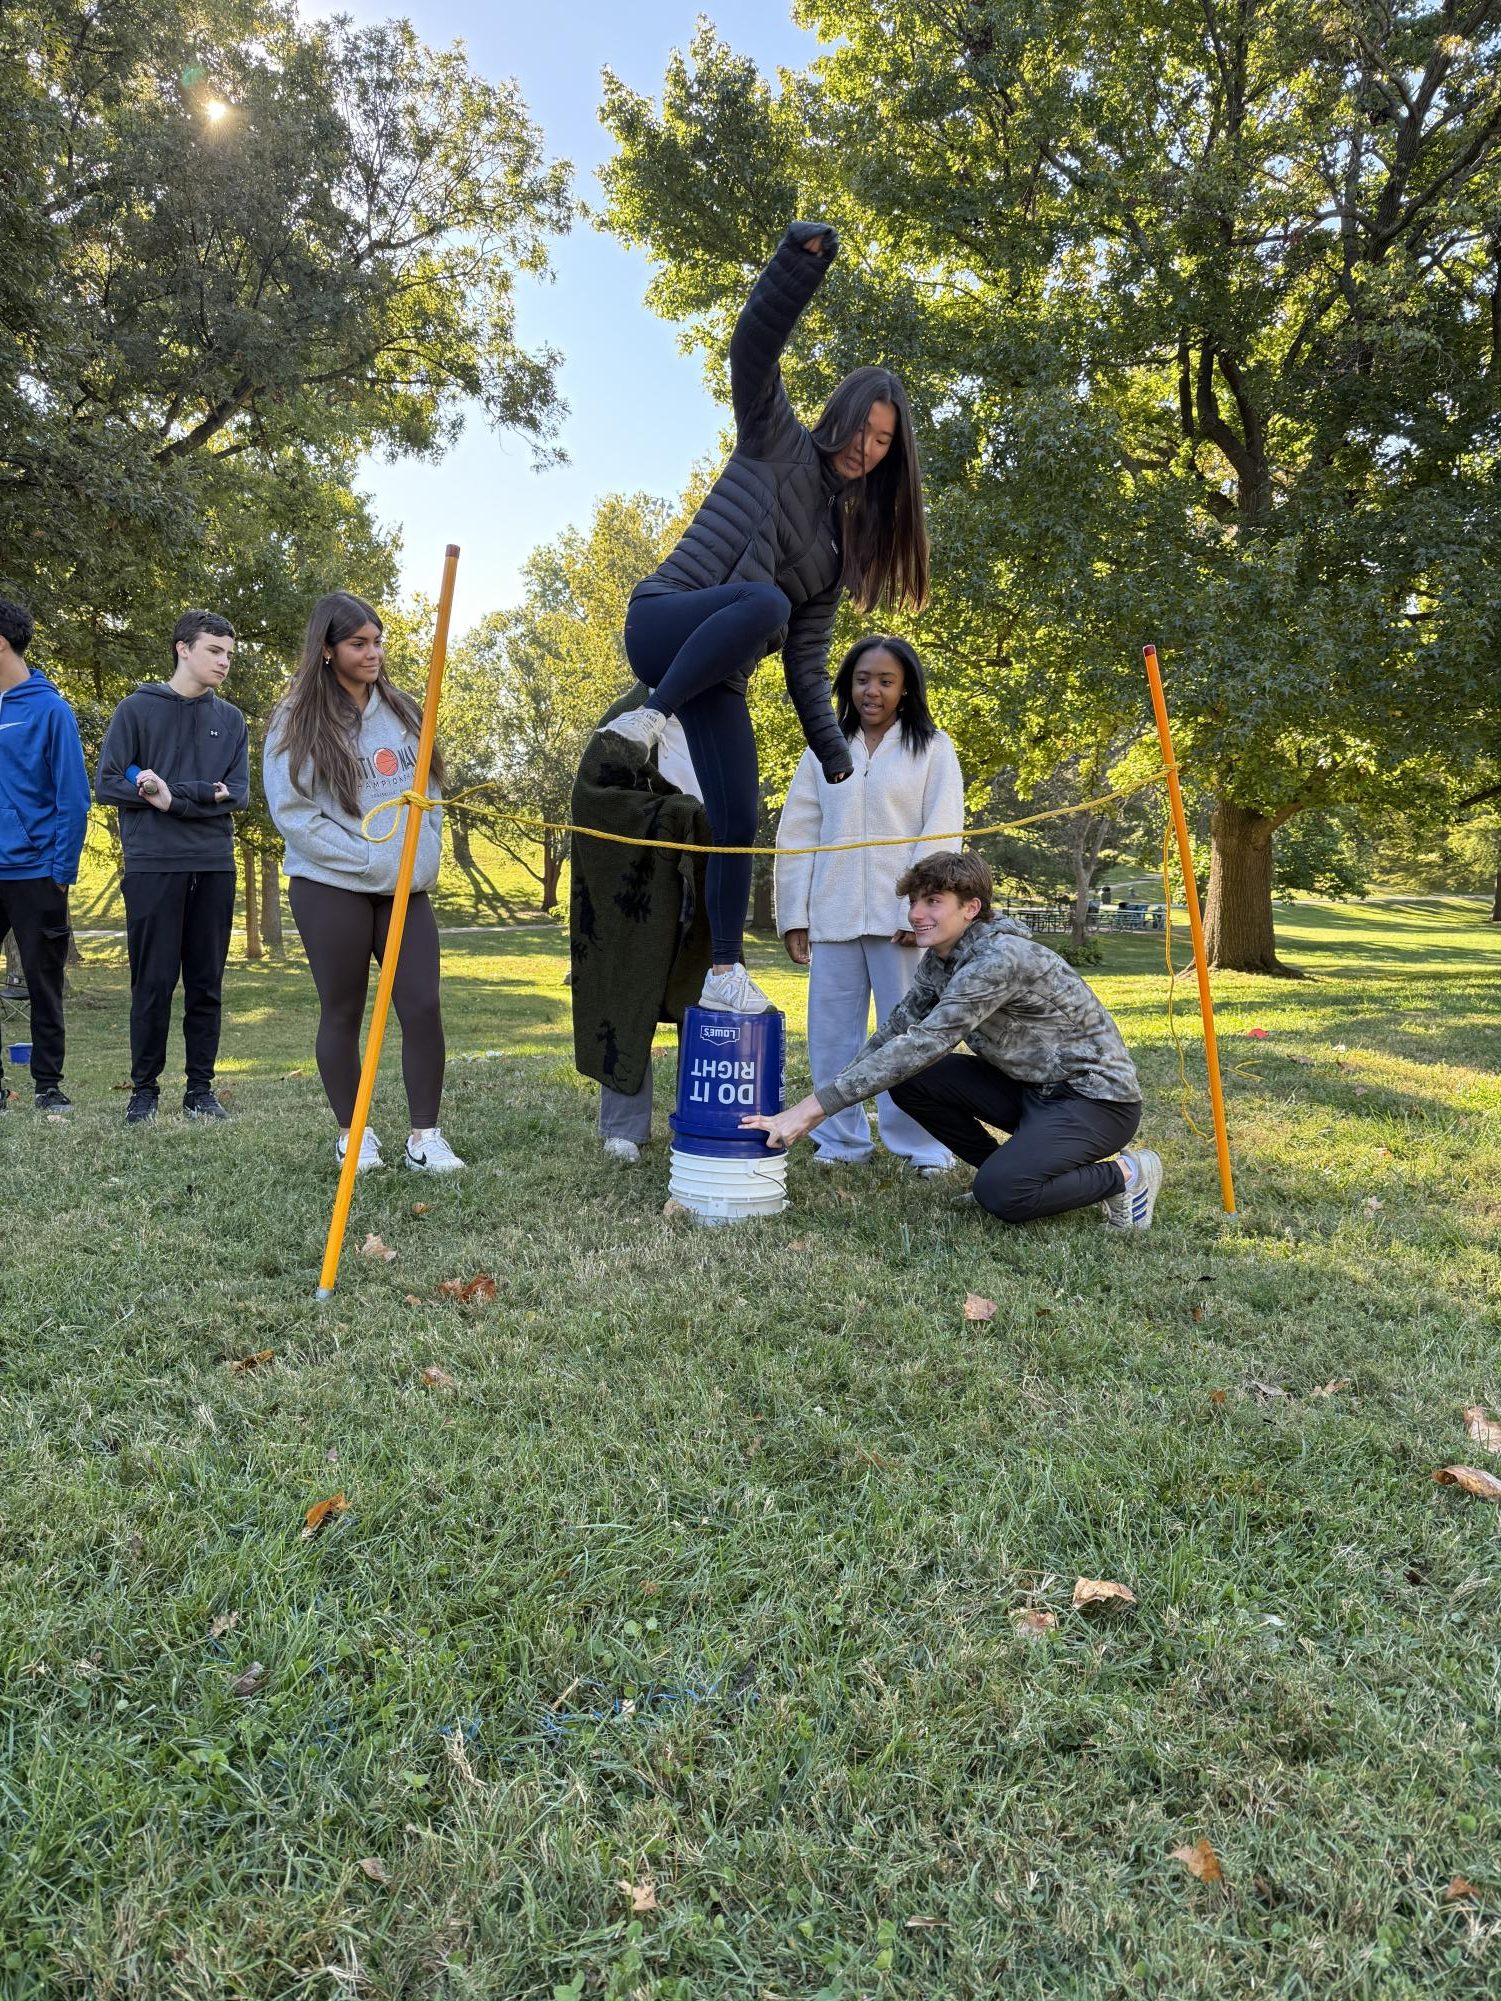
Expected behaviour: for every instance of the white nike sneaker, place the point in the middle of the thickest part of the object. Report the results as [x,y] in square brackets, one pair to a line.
[429,1153]
[369,1151]
[1133,1208]
[625,1151]
[733,992]
[639,726]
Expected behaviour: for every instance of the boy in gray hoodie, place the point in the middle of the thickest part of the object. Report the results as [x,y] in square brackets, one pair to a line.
[174,764]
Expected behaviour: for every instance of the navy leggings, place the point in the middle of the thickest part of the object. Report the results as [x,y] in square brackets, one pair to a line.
[685,645]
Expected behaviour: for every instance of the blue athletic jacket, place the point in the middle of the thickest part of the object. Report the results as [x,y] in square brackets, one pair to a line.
[44,784]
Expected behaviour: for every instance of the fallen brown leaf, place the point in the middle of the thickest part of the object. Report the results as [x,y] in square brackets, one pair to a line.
[1200,1860]
[1484,1486]
[1217,1396]
[249,1683]
[320,1511]
[1266,1392]
[420,1208]
[1482,1429]
[651,1588]
[1333,1387]
[672,1208]
[374,1868]
[798,1244]
[438,1379]
[255,1361]
[1459,1886]
[1096,1590]
[643,1895]
[222,1623]
[976,1308]
[411,1299]
[481,1286]
[374,1248]
[1196,1314]
[1032,1623]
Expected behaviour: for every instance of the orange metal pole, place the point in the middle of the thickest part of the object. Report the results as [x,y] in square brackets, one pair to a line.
[339,1221]
[1196,929]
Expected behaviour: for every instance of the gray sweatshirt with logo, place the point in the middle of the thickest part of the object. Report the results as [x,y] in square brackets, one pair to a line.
[1018,1005]
[325,843]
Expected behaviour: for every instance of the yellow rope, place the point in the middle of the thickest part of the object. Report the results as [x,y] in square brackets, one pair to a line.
[427,805]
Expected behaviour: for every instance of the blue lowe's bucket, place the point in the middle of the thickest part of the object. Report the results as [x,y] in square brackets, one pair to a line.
[730,1066]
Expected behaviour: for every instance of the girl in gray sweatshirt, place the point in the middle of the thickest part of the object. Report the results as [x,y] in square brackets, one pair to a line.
[342,741]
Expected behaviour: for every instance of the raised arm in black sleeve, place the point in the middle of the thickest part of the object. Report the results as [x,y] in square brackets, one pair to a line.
[805,663]
[763,415]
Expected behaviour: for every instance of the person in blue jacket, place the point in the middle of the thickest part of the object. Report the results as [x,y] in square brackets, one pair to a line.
[44,810]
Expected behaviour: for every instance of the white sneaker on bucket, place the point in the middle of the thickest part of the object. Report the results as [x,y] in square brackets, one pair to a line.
[625,1151]
[429,1153]
[639,726]
[733,992]
[369,1151]
[1132,1209]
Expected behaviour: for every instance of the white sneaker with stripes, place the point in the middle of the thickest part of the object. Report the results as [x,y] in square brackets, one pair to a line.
[1133,1208]
[429,1153]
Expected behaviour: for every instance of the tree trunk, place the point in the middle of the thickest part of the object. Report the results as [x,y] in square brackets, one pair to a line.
[763,916]
[552,869]
[1238,931]
[457,827]
[1084,852]
[271,929]
[1496,900]
[253,949]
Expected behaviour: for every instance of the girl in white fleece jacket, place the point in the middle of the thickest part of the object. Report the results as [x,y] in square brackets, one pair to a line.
[842,910]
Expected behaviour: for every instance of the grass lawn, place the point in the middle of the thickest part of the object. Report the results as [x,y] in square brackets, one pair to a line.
[697,1590]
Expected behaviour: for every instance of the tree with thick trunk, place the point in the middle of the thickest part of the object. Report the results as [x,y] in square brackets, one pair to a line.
[1238,932]
[253,949]
[271,924]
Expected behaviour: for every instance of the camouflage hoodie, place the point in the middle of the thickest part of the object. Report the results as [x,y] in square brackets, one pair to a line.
[1016,1003]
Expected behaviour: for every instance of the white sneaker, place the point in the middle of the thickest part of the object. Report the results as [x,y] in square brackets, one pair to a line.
[1132,1209]
[430,1153]
[625,1151]
[369,1151]
[733,992]
[639,726]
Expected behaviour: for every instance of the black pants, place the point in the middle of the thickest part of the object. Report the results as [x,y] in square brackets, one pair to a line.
[177,926]
[37,911]
[1055,1159]
[685,645]
[342,930]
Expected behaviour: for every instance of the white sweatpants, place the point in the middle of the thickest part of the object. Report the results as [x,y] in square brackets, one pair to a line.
[841,983]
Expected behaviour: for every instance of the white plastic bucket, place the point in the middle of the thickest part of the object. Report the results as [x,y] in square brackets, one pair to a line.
[729,1190]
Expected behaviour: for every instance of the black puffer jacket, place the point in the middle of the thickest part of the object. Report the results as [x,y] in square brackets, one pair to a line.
[772,516]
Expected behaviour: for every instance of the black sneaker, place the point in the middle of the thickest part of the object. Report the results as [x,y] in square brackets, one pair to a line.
[203,1105]
[142,1108]
[53,1100]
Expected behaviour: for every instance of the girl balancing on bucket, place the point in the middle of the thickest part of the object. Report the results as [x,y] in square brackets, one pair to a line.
[342,741]
[796,519]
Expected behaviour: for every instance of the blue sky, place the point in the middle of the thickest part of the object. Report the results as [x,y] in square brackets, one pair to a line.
[639,413]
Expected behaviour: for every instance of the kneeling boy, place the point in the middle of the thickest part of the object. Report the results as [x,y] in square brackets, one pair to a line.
[1049,1066]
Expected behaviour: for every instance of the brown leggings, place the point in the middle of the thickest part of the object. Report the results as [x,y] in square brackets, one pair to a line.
[342,930]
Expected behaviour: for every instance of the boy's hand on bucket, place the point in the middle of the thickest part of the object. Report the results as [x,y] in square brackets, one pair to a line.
[782,1128]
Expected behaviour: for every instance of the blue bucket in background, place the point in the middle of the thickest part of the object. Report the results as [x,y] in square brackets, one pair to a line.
[20,1053]
[729,1066]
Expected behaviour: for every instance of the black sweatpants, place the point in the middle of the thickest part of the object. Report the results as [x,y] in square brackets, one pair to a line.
[342,930]
[177,926]
[1055,1158]
[36,909]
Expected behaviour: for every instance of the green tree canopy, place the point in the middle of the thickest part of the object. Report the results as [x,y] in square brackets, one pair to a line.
[1201,312]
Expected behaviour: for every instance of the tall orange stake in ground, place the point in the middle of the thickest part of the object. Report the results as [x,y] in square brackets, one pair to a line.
[339,1221]
[1196,928]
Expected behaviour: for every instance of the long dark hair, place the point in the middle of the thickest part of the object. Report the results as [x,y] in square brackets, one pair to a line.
[317,721]
[913,713]
[885,537]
